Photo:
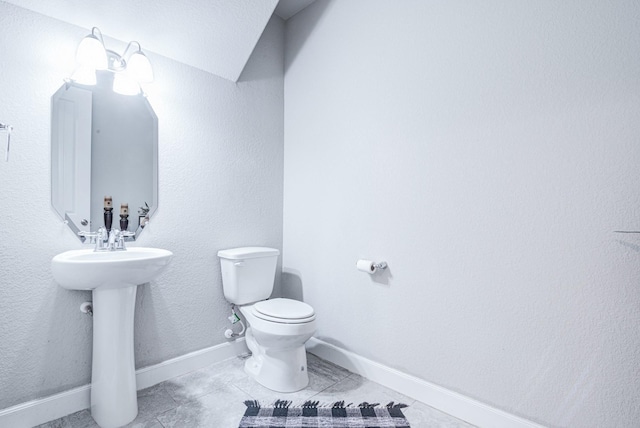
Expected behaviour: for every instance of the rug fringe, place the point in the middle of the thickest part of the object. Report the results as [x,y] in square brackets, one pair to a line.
[282,404]
[310,404]
[366,405]
[252,403]
[396,406]
[286,404]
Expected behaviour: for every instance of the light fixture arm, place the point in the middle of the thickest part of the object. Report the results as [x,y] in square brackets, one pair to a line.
[124,54]
[115,60]
[99,35]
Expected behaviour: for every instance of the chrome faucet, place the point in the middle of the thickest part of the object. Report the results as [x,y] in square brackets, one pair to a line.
[112,241]
[102,240]
[116,239]
[113,236]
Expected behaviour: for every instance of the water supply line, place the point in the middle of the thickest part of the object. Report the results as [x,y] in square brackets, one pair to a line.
[234,318]
[87,308]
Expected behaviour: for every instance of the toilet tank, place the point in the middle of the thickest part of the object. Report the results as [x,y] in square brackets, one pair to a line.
[248,273]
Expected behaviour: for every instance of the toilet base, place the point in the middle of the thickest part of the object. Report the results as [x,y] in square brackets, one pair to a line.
[279,370]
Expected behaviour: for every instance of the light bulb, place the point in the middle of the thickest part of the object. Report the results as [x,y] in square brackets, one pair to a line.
[139,68]
[91,53]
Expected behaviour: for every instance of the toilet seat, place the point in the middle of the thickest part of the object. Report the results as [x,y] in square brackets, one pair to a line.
[284,311]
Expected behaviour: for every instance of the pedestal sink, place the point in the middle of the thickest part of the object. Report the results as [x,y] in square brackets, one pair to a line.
[113,276]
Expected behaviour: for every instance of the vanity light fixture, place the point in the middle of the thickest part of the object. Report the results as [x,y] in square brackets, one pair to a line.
[91,52]
[130,69]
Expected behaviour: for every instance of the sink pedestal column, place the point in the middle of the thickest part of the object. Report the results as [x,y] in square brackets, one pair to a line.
[114,401]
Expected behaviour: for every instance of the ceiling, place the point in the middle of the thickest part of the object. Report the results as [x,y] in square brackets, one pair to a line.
[216,36]
[287,8]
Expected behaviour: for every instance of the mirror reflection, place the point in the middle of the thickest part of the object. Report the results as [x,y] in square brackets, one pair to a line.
[103,144]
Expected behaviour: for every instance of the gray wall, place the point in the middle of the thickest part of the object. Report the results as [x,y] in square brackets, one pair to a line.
[220,167]
[487,151]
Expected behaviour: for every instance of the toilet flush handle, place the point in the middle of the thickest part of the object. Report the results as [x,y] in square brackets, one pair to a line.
[240,263]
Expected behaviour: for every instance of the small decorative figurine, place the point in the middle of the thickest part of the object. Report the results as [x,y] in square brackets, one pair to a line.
[108,214]
[143,217]
[124,216]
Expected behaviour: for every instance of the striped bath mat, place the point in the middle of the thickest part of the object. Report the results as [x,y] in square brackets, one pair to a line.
[312,414]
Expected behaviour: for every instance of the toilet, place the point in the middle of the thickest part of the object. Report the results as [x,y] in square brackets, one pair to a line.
[277,328]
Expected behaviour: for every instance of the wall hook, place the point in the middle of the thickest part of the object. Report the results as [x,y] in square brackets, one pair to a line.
[8,128]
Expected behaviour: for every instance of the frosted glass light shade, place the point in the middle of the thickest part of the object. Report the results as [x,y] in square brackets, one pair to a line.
[125,85]
[91,53]
[139,68]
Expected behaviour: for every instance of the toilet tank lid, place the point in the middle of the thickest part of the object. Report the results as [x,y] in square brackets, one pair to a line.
[247,253]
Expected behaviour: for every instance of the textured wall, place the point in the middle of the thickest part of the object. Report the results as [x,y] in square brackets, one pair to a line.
[221,155]
[486,150]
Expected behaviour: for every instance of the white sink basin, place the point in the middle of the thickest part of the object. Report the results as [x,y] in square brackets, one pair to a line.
[88,269]
[113,277]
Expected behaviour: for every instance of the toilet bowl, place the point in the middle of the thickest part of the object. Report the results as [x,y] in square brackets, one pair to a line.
[277,328]
[278,357]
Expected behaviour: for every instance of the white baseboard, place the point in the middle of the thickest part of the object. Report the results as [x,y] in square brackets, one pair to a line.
[152,375]
[450,402]
[42,410]
[36,412]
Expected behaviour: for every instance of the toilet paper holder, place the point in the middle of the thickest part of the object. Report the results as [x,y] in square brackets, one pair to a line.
[369,266]
[380,265]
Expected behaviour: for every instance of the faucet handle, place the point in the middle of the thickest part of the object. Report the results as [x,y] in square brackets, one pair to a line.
[102,244]
[93,236]
[119,244]
[98,238]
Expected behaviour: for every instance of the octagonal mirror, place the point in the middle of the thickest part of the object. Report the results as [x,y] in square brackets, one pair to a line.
[103,144]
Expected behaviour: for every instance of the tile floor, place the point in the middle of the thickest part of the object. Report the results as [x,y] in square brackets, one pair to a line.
[214,396]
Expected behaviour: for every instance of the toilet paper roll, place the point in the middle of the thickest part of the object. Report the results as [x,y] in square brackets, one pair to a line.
[366,266]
